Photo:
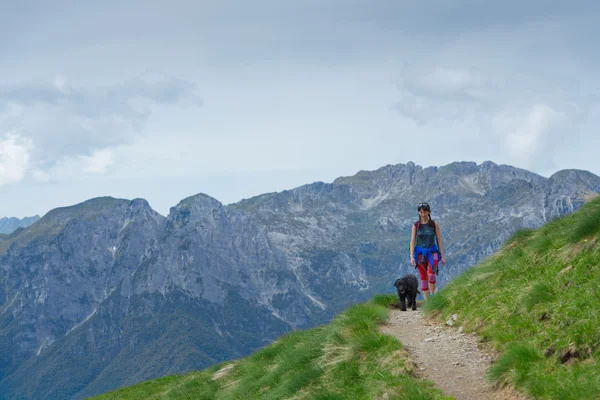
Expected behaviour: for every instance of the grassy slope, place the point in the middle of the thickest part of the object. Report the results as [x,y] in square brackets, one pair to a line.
[346,359]
[537,301]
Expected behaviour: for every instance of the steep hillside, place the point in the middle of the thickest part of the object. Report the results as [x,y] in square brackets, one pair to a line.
[537,300]
[346,359]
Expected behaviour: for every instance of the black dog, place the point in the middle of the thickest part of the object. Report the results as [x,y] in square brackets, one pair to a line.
[408,287]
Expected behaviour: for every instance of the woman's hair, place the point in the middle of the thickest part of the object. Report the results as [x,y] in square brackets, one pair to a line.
[431,222]
[426,207]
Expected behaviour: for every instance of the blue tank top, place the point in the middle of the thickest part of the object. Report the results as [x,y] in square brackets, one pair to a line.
[426,236]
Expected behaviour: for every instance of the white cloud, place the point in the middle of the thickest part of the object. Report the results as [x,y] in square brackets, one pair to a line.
[98,162]
[40,176]
[67,121]
[60,83]
[451,83]
[77,167]
[433,93]
[14,157]
[524,138]
[532,136]
[12,110]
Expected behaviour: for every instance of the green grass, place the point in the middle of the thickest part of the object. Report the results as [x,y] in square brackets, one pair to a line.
[535,300]
[346,359]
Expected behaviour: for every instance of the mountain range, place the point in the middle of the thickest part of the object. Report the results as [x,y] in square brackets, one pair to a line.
[108,293]
[11,224]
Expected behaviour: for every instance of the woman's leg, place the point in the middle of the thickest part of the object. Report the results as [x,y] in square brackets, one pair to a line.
[432,275]
[422,267]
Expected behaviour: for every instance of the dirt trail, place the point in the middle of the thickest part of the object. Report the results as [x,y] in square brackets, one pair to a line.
[452,360]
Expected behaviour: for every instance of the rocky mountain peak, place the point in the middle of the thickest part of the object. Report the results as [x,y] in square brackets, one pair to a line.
[9,224]
[199,203]
[575,176]
[99,206]
[139,204]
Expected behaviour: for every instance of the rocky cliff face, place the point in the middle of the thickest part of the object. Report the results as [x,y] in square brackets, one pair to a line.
[353,234]
[110,287]
[207,247]
[108,293]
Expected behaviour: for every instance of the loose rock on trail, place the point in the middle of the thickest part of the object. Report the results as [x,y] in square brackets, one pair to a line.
[452,360]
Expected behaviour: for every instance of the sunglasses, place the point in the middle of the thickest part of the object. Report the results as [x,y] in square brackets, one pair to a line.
[424,206]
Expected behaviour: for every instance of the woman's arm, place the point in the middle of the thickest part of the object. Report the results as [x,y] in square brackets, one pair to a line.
[412,243]
[440,242]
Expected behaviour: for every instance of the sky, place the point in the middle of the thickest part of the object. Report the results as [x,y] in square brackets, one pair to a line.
[164,100]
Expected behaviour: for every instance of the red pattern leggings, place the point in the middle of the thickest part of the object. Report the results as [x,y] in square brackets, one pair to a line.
[425,269]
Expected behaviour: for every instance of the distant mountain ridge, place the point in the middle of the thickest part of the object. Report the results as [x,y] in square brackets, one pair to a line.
[108,292]
[11,224]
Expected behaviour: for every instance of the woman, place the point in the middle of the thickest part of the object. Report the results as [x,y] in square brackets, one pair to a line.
[424,252]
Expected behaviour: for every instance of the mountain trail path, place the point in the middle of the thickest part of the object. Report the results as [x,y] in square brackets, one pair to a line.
[455,362]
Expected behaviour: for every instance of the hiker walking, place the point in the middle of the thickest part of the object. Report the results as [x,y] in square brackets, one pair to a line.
[426,247]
